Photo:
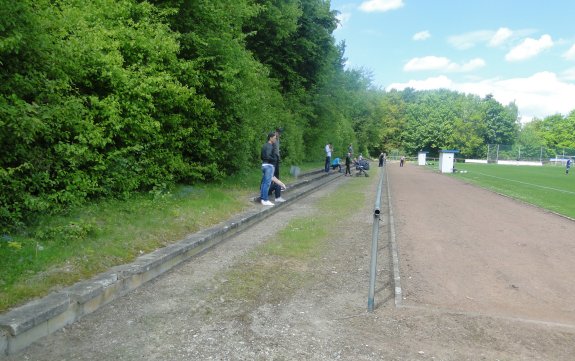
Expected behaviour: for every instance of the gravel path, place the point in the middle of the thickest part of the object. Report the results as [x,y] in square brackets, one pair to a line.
[484,278]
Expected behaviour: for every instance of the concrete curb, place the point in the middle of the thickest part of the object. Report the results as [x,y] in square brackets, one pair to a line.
[26,324]
[398,294]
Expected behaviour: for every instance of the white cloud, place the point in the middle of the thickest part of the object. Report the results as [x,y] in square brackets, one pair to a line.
[489,37]
[500,36]
[471,65]
[442,63]
[529,48]
[570,54]
[380,5]
[440,82]
[426,63]
[539,95]
[469,40]
[422,35]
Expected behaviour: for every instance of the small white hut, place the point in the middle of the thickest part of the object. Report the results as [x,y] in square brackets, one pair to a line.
[446,160]
[421,158]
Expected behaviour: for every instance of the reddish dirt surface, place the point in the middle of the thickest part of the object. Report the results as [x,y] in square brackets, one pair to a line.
[470,250]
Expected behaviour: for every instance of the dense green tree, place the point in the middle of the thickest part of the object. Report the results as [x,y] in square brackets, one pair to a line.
[441,119]
[293,39]
[90,104]
[104,98]
[501,122]
[529,142]
[430,122]
[270,33]
[246,103]
[469,128]
[555,133]
[393,121]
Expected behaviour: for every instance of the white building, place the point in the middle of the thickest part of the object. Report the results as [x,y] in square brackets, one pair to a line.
[421,158]
[446,160]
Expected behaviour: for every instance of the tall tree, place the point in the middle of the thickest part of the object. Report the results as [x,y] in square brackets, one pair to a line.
[556,130]
[501,122]
[246,102]
[469,127]
[293,38]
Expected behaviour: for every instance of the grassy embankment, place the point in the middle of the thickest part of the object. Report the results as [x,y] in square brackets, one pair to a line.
[61,250]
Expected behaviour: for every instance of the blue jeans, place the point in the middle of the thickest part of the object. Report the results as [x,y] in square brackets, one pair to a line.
[327,163]
[267,174]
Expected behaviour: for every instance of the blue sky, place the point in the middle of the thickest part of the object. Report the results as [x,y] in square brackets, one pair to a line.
[517,50]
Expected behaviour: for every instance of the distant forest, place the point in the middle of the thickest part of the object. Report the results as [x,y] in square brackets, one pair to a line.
[103,98]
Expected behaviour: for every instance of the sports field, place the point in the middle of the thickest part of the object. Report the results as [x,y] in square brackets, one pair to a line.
[547,186]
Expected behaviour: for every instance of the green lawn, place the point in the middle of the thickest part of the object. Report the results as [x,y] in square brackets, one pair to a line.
[547,187]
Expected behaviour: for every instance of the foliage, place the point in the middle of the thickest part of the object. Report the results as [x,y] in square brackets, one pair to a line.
[107,98]
[439,119]
[501,122]
[555,131]
[91,106]
[293,40]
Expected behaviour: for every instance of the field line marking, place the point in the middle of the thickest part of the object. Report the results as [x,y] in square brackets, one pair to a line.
[434,308]
[529,184]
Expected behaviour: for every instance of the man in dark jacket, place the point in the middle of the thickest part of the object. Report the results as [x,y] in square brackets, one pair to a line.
[348,164]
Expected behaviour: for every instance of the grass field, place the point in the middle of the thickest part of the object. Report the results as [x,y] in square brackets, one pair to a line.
[547,187]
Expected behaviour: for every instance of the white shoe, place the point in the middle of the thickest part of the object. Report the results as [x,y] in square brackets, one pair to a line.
[280,199]
[267,203]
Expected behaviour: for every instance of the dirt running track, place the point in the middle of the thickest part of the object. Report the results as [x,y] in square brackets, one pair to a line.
[471,250]
[484,278]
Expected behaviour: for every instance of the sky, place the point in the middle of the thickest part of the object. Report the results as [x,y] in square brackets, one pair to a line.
[520,51]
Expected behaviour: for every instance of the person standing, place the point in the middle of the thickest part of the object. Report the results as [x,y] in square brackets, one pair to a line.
[276,188]
[567,166]
[381,156]
[401,161]
[327,157]
[268,159]
[348,164]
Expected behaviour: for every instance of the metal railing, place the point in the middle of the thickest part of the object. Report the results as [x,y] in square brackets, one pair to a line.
[374,241]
